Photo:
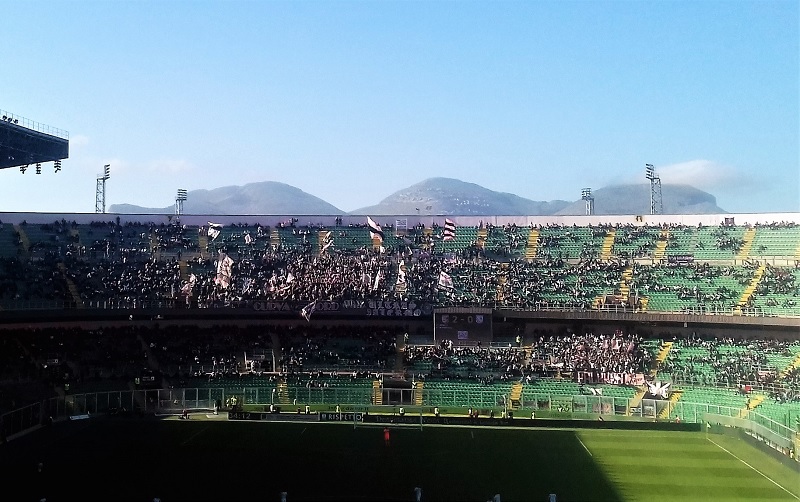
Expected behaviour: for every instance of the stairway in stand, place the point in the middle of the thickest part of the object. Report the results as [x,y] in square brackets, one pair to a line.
[418,386]
[625,282]
[23,238]
[660,358]
[750,289]
[377,393]
[155,249]
[501,283]
[661,246]
[202,241]
[482,234]
[752,403]
[608,245]
[274,238]
[73,290]
[673,398]
[532,247]
[747,244]
[283,392]
[515,396]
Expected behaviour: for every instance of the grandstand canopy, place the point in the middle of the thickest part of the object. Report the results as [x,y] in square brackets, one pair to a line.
[24,142]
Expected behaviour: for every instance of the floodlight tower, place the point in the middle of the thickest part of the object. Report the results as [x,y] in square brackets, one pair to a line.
[656,203]
[179,200]
[586,194]
[100,192]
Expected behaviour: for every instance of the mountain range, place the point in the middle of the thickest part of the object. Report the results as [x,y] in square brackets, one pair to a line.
[440,196]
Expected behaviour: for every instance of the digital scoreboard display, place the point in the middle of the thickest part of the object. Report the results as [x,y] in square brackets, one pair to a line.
[462,326]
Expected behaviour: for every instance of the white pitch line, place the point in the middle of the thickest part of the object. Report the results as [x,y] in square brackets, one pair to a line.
[195,435]
[750,466]
[584,447]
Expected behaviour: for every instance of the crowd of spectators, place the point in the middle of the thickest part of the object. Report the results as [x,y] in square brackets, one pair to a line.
[136,264]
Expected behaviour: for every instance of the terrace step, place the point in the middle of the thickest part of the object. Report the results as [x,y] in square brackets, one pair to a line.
[747,244]
[608,245]
[751,288]
[752,404]
[661,246]
[377,393]
[202,242]
[515,396]
[661,357]
[673,398]
[73,290]
[794,364]
[482,235]
[274,238]
[532,246]
[24,241]
[283,392]
[418,392]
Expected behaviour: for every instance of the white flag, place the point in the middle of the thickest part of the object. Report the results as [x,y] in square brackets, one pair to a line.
[449,232]
[224,269]
[248,239]
[308,310]
[214,230]
[445,281]
[401,272]
[375,230]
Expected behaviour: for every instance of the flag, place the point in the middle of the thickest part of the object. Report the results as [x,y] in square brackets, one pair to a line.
[445,281]
[327,240]
[401,272]
[214,230]
[377,280]
[248,239]
[449,232]
[375,230]
[224,268]
[308,310]
[187,288]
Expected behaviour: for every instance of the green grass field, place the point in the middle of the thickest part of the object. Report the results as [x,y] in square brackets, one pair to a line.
[138,459]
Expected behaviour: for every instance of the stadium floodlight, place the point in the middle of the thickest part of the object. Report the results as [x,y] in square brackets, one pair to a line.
[180,198]
[57,166]
[656,202]
[22,169]
[38,168]
[586,194]
[100,191]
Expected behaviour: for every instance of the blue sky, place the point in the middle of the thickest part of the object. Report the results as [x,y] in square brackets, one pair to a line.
[351,101]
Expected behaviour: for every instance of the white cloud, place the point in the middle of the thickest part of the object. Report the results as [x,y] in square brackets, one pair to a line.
[703,174]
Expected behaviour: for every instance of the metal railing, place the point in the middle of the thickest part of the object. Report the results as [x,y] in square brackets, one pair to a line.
[33,125]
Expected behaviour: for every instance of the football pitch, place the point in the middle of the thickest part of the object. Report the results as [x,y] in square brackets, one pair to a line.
[196,459]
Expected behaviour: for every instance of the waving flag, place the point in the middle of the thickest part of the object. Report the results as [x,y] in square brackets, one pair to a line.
[375,230]
[214,230]
[248,239]
[224,269]
[308,310]
[445,281]
[401,272]
[449,232]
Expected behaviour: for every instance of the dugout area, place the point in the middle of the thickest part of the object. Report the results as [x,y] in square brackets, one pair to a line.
[211,458]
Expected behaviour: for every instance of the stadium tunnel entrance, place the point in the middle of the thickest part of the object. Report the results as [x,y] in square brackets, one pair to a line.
[397,392]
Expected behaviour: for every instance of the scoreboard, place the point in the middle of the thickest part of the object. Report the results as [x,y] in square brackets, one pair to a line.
[467,325]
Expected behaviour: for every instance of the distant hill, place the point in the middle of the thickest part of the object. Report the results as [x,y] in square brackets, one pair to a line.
[266,197]
[452,196]
[635,199]
[441,196]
